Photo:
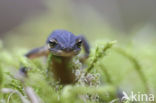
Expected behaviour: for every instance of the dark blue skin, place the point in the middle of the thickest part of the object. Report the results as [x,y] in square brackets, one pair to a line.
[66,43]
[62,45]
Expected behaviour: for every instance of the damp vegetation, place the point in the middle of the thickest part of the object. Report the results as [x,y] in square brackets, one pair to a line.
[109,70]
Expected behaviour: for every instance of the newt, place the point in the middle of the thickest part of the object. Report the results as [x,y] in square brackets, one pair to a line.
[63,46]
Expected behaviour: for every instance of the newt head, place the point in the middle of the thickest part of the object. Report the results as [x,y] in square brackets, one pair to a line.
[64,43]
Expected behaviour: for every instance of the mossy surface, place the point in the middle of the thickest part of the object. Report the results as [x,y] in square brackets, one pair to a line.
[108,69]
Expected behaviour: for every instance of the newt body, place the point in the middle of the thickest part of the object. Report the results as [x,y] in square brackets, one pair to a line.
[63,46]
[60,67]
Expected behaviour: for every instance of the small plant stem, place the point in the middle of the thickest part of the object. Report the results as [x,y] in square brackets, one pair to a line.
[99,54]
[107,75]
[9,90]
[137,67]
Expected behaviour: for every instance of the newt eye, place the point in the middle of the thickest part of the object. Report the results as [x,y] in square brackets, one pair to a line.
[52,43]
[79,43]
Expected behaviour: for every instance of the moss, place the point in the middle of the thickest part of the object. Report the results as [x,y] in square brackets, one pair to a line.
[97,83]
[99,53]
[1,74]
[1,77]
[137,67]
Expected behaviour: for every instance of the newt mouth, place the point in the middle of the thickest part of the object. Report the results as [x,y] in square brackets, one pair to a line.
[65,53]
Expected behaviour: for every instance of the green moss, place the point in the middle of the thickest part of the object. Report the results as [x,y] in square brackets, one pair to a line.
[137,67]
[99,53]
[106,69]
[1,77]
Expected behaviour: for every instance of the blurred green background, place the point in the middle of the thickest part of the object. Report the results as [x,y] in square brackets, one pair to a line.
[130,21]
[27,23]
